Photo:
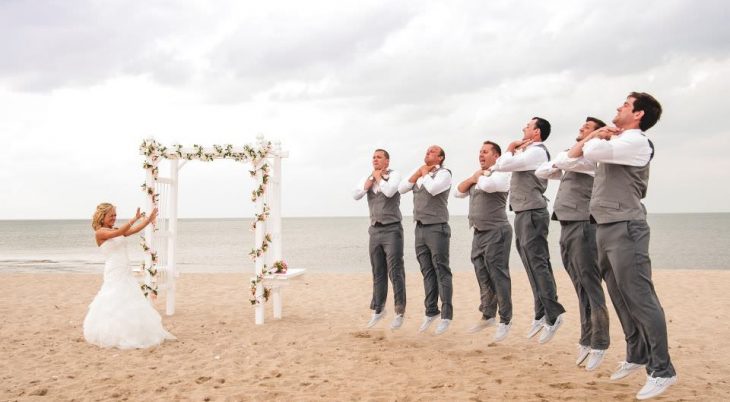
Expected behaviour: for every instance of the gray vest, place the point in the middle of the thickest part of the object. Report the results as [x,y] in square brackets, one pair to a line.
[618,191]
[384,210]
[487,210]
[429,209]
[526,190]
[574,195]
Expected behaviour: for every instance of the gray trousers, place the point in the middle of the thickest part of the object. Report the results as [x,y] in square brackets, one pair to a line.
[386,259]
[579,253]
[432,252]
[531,230]
[623,257]
[490,256]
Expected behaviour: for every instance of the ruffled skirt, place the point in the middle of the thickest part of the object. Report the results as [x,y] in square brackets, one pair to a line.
[120,316]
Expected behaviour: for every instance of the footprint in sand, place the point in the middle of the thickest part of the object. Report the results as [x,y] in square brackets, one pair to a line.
[563,385]
[39,392]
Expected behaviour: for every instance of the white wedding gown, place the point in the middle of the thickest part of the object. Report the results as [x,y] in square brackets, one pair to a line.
[120,316]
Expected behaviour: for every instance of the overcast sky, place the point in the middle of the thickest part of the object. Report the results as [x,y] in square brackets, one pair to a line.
[82,83]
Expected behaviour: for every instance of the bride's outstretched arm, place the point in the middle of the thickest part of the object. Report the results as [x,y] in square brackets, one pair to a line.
[104,234]
[145,221]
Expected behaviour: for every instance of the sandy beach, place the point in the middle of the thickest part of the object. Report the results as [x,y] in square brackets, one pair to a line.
[321,351]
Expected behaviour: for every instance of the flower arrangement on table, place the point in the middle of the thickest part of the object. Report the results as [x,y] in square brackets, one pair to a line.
[280,267]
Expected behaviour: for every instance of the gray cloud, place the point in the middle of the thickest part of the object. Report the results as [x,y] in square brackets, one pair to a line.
[388,53]
[50,44]
[333,81]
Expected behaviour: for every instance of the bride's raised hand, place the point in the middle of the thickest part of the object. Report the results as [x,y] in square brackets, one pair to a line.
[138,215]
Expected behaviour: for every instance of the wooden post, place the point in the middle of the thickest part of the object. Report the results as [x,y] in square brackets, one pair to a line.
[276,296]
[258,240]
[172,239]
[148,231]
[269,255]
[275,203]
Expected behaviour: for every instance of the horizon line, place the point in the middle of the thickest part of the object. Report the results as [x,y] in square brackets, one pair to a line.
[321,216]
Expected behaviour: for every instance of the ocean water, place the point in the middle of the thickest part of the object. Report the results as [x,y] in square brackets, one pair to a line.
[678,241]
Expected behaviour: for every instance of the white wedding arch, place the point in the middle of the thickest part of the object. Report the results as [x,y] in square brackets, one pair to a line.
[160,239]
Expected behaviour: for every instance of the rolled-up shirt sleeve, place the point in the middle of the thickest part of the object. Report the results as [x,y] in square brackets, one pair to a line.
[498,182]
[530,159]
[405,186]
[437,184]
[390,187]
[548,172]
[577,165]
[459,194]
[629,148]
[359,190]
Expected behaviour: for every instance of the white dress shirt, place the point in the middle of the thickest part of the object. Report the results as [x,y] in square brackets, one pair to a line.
[529,159]
[630,148]
[435,183]
[387,187]
[553,170]
[497,182]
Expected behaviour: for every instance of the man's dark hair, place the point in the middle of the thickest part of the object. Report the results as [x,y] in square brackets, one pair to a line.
[650,106]
[443,155]
[387,155]
[599,122]
[544,127]
[495,147]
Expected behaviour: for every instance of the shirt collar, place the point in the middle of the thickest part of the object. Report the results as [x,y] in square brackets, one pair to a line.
[632,131]
[528,147]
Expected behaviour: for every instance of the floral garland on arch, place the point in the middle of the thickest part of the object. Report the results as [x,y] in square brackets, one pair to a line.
[278,267]
[154,152]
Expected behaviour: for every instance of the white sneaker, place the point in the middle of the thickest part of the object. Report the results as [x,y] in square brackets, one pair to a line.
[426,323]
[375,319]
[655,386]
[595,359]
[502,331]
[535,327]
[624,369]
[583,352]
[397,322]
[550,330]
[442,327]
[482,324]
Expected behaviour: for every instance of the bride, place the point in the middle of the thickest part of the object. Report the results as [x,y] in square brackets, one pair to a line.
[120,316]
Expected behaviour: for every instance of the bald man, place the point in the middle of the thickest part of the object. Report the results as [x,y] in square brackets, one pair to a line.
[430,184]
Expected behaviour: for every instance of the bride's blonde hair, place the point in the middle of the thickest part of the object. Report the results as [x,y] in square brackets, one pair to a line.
[102,209]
